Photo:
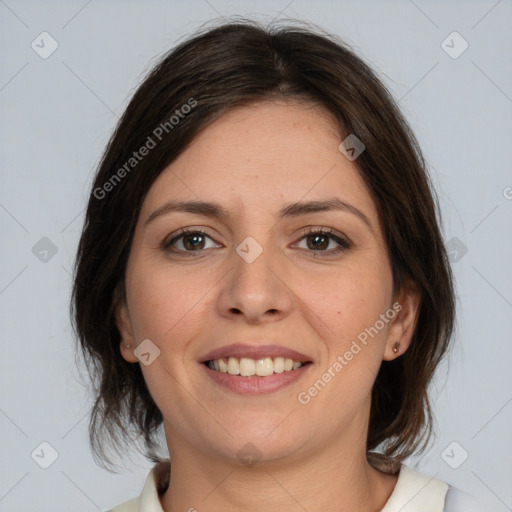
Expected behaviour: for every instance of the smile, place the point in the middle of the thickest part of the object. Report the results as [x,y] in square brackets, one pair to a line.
[246,381]
[247,367]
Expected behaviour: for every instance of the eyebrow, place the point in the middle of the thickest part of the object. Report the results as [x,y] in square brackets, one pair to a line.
[215,210]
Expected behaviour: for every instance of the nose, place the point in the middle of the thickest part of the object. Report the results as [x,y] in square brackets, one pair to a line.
[255,289]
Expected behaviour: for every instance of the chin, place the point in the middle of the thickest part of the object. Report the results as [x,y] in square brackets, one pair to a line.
[261,441]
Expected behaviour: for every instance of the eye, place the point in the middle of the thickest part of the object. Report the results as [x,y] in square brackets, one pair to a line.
[317,240]
[188,240]
[324,240]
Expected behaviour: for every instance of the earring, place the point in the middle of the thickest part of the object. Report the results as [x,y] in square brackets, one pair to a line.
[128,346]
[396,347]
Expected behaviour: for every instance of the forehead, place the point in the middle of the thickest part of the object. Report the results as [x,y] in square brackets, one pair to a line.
[260,156]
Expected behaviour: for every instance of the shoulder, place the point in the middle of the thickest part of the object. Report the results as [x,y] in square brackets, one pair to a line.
[129,506]
[416,492]
[459,501]
[157,482]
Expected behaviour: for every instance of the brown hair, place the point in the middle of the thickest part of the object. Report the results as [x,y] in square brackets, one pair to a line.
[231,65]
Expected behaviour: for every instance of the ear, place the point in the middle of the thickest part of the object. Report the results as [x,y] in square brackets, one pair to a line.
[124,325]
[406,306]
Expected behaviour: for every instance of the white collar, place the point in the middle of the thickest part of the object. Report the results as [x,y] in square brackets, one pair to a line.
[413,492]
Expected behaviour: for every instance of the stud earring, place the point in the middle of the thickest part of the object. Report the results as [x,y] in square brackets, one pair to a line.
[128,346]
[396,347]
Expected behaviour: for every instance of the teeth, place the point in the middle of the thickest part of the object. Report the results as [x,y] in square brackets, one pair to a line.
[233,366]
[223,366]
[265,367]
[247,367]
[279,365]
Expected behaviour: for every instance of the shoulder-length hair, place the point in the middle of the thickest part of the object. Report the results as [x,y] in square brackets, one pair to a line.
[217,69]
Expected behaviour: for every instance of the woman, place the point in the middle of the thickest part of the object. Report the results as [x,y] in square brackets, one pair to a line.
[262,274]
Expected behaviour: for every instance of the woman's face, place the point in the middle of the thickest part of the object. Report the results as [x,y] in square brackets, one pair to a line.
[251,278]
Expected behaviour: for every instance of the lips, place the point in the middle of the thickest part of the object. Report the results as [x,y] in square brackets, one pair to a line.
[256,385]
[255,369]
[254,352]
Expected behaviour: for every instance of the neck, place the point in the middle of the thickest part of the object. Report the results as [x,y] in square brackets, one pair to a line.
[336,479]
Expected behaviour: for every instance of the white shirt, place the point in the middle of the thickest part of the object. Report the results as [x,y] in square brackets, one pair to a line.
[413,492]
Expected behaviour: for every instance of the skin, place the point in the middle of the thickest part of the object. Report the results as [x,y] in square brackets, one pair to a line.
[253,161]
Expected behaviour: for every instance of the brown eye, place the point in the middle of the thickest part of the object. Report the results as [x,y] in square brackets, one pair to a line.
[193,242]
[316,242]
[189,241]
[324,241]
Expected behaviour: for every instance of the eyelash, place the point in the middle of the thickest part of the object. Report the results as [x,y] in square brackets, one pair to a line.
[343,243]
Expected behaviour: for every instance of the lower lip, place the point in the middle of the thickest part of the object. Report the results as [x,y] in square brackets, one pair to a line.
[256,385]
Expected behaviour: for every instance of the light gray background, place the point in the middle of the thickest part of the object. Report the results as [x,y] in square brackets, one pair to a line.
[57,116]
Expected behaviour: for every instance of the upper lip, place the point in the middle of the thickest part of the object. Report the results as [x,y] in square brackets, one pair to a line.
[240,350]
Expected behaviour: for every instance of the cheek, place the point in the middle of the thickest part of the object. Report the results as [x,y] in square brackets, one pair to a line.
[166,304]
[167,307]
[350,300]
[352,308]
